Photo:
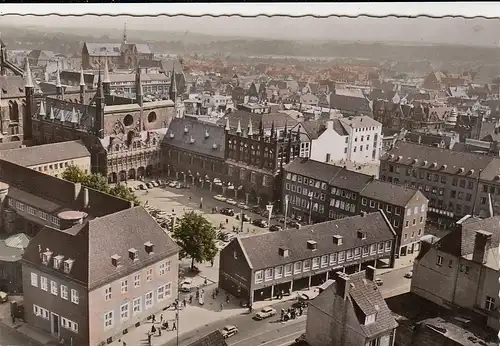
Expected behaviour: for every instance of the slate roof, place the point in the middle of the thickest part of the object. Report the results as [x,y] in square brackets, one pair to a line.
[215,338]
[196,131]
[390,193]
[351,180]
[280,119]
[47,153]
[104,49]
[311,168]
[350,103]
[41,55]
[92,244]
[359,121]
[460,242]
[262,249]
[363,295]
[12,86]
[447,161]
[314,128]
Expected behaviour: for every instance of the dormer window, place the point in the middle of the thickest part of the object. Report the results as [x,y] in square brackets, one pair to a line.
[207,134]
[172,134]
[57,261]
[115,260]
[46,256]
[68,264]
[214,146]
[148,247]
[370,319]
[133,254]
[191,140]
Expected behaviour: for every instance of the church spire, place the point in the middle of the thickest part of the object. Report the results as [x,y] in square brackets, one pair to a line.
[42,112]
[125,33]
[138,87]
[29,77]
[250,127]
[173,85]
[238,130]
[82,87]
[106,81]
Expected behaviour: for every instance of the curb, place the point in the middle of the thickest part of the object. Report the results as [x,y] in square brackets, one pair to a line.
[21,333]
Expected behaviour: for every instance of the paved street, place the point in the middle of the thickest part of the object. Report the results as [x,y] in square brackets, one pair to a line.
[10,337]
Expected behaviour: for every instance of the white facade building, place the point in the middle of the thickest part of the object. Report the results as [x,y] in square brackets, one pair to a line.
[353,139]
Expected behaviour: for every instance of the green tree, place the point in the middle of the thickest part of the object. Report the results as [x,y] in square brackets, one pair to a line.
[197,238]
[97,181]
[122,191]
[75,175]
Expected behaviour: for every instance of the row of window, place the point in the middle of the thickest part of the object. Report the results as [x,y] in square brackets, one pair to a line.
[324,261]
[162,268]
[55,288]
[59,165]
[45,314]
[306,181]
[136,307]
[299,189]
[32,211]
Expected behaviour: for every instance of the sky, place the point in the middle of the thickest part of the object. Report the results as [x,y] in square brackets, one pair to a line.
[444,30]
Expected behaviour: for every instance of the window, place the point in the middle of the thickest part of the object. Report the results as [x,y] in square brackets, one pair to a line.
[30,210]
[464,269]
[288,269]
[53,288]
[108,320]
[357,252]
[107,293]
[44,283]
[373,249]
[75,299]
[333,258]
[137,280]
[278,272]
[161,292]
[40,312]
[64,292]
[341,256]
[490,303]
[297,267]
[148,300]
[161,269]
[20,206]
[124,286]
[137,305]
[439,260]
[268,274]
[258,277]
[307,265]
[149,275]
[324,261]
[363,201]
[65,323]
[366,250]
[387,246]
[34,280]
[349,254]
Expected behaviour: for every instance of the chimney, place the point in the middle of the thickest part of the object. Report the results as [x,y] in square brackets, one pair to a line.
[148,246]
[342,281]
[370,273]
[338,239]
[115,260]
[85,197]
[312,245]
[133,254]
[283,252]
[481,244]
[329,125]
[361,234]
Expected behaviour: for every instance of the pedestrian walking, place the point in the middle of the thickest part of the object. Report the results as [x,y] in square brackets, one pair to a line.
[161,318]
[124,343]
[149,339]
[166,325]
[174,327]
[153,318]
[153,329]
[212,263]
[159,331]
[184,301]
[13,318]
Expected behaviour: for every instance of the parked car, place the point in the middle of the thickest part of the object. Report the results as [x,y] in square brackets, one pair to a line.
[293,224]
[275,228]
[131,189]
[142,187]
[220,198]
[255,209]
[227,211]
[231,201]
[149,185]
[246,218]
[178,186]
[379,281]
[161,183]
[153,183]
[243,206]
[186,285]
[265,313]
[409,274]
[229,331]
[4,297]
[260,223]
[172,184]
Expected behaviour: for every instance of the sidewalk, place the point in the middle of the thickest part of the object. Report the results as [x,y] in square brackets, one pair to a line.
[400,263]
[193,317]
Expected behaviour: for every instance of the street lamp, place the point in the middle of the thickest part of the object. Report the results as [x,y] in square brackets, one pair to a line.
[286,207]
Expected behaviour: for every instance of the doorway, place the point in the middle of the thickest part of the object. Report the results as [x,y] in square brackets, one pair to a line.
[55,324]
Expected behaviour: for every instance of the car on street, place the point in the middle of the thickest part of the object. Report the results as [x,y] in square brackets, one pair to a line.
[142,187]
[172,184]
[228,331]
[243,206]
[246,218]
[187,285]
[153,183]
[409,274]
[149,185]
[178,186]
[131,189]
[160,183]
[293,224]
[220,198]
[231,201]
[260,223]
[275,228]
[227,211]
[379,281]
[265,313]
[255,209]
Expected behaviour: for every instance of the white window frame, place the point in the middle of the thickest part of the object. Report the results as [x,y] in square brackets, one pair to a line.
[259,276]
[124,286]
[315,263]
[75,298]
[333,259]
[108,293]
[64,292]
[148,300]
[125,311]
[388,245]
[268,274]
[489,303]
[53,288]
[149,275]
[290,267]
[297,267]
[137,280]
[278,272]
[324,261]
[137,305]
[44,283]
[34,279]
[308,267]
[109,320]
[161,268]
[341,257]
[373,249]
[439,260]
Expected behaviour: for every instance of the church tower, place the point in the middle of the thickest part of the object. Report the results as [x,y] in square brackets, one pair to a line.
[99,109]
[172,92]
[29,90]
[125,33]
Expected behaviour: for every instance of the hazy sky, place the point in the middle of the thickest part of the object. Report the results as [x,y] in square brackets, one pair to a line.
[448,30]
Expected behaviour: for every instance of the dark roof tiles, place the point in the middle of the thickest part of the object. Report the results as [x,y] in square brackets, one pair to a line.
[390,193]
